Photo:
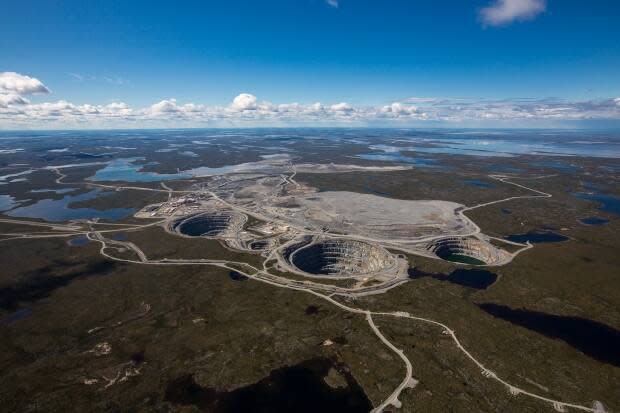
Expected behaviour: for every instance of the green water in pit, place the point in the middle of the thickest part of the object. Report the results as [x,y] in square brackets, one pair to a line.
[463,259]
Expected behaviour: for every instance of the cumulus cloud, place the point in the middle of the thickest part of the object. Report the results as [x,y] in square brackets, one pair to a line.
[244,101]
[341,107]
[398,108]
[247,109]
[165,106]
[11,82]
[501,12]
[12,99]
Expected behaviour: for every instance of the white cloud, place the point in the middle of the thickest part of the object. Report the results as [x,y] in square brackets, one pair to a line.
[77,77]
[341,107]
[116,81]
[333,3]
[247,110]
[11,82]
[12,99]
[165,106]
[501,12]
[170,112]
[398,108]
[244,101]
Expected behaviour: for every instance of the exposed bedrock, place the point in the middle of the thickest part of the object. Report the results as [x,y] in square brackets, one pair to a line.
[209,224]
[468,251]
[341,258]
[287,251]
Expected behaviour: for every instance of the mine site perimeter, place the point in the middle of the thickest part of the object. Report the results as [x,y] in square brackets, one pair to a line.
[360,239]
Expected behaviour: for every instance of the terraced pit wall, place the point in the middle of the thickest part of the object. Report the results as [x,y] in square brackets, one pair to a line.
[470,247]
[338,257]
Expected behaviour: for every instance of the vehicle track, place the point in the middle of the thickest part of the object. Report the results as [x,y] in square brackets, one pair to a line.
[263,275]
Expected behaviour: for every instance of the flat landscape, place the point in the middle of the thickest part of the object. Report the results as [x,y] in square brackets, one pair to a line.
[330,269]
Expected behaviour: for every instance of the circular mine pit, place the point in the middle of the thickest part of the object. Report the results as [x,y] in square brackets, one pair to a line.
[342,258]
[209,224]
[468,251]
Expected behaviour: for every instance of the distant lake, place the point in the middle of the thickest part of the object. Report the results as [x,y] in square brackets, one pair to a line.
[235,276]
[60,210]
[504,168]
[594,221]
[397,157]
[125,169]
[7,202]
[558,166]
[608,203]
[478,183]
[536,237]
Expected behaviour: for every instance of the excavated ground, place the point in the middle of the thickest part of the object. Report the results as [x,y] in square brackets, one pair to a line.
[342,257]
[467,251]
[210,224]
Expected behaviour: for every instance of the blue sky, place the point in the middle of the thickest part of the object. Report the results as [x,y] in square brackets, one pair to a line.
[360,52]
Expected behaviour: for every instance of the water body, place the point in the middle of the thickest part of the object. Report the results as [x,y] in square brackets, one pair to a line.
[397,157]
[462,259]
[125,169]
[121,236]
[504,169]
[478,183]
[558,166]
[506,143]
[592,338]
[85,155]
[597,221]
[459,148]
[506,211]
[235,276]
[537,237]
[7,202]
[608,203]
[60,210]
[456,141]
[441,145]
[300,389]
